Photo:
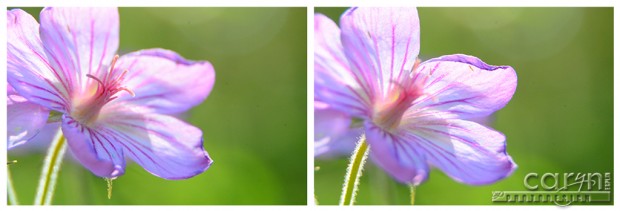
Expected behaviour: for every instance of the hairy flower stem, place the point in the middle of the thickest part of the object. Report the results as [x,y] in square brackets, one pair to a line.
[412,190]
[11,190]
[109,181]
[354,172]
[49,173]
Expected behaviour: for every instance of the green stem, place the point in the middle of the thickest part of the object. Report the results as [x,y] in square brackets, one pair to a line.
[354,172]
[49,173]
[109,181]
[11,190]
[412,190]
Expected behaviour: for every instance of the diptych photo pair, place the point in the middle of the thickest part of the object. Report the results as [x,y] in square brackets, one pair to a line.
[310,106]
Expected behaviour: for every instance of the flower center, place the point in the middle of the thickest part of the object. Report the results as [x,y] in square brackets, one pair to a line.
[99,92]
[389,111]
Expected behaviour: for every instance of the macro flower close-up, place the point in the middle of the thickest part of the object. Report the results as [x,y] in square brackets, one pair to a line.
[94,120]
[66,69]
[413,115]
[451,105]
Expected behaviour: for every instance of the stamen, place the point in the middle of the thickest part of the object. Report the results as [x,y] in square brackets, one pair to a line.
[122,76]
[128,91]
[86,110]
[111,67]
[96,79]
[100,84]
[390,109]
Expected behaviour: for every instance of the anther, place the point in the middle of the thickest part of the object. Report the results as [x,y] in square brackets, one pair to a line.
[128,91]
[110,73]
[96,79]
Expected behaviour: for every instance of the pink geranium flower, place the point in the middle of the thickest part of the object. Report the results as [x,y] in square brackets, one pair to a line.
[111,107]
[414,115]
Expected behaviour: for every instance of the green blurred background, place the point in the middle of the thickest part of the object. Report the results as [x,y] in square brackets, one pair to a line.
[254,121]
[559,120]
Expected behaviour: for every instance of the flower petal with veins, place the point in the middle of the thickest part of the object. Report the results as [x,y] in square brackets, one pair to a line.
[154,76]
[415,114]
[30,72]
[147,139]
[27,119]
[111,107]
[465,86]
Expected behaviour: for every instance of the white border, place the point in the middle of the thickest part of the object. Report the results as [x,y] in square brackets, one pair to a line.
[310,102]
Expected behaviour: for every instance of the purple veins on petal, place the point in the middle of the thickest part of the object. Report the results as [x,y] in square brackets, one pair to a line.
[111,106]
[397,154]
[164,81]
[147,139]
[415,113]
[80,41]
[465,86]
[381,44]
[334,81]
[29,71]
[466,151]
[99,153]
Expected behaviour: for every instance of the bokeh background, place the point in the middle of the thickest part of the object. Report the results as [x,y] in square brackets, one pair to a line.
[559,120]
[254,121]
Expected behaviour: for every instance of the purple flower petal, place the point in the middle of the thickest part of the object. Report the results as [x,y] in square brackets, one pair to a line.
[401,157]
[382,45]
[28,70]
[25,119]
[342,145]
[161,144]
[330,122]
[332,134]
[334,82]
[40,143]
[164,81]
[66,67]
[483,120]
[94,149]
[466,151]
[464,86]
[80,41]
[412,112]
